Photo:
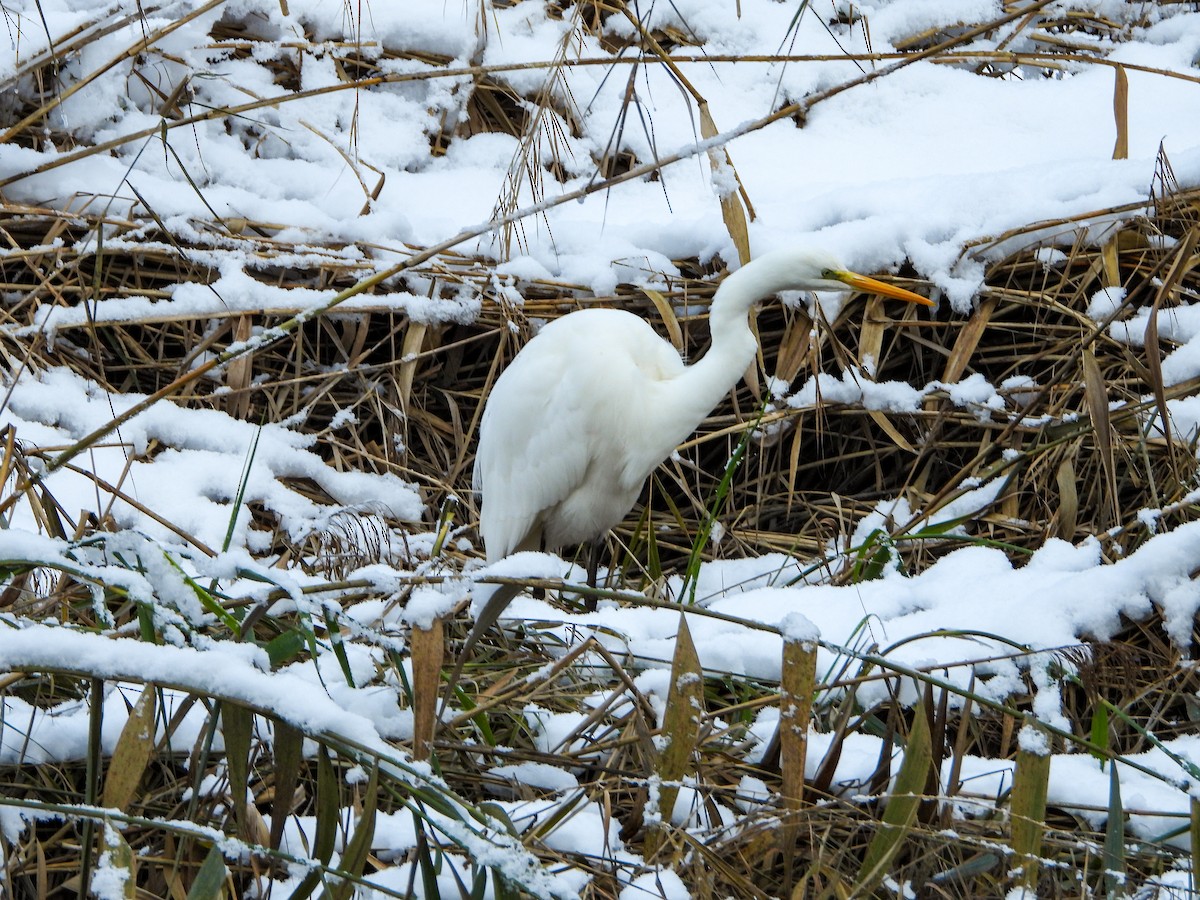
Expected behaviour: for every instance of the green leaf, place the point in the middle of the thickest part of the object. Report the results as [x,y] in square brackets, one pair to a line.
[328,806]
[236,725]
[286,646]
[901,809]
[358,848]
[339,649]
[1099,732]
[425,860]
[210,878]
[288,742]
[328,818]
[205,595]
[329,813]
[691,575]
[1114,838]
[240,498]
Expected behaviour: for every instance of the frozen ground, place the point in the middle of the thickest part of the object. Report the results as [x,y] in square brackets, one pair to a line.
[915,165]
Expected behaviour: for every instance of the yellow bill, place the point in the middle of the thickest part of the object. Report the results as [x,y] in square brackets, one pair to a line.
[871,286]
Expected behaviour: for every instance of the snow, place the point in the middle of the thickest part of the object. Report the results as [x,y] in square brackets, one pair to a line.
[538,775]
[662,884]
[204,450]
[110,878]
[796,627]
[915,166]
[1105,304]
[1031,740]
[1060,595]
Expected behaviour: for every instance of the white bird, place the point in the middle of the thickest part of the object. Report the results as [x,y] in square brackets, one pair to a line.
[596,400]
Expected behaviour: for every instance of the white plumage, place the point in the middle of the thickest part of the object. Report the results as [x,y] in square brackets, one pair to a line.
[593,403]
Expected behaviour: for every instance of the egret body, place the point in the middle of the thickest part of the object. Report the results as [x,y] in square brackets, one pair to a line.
[594,402]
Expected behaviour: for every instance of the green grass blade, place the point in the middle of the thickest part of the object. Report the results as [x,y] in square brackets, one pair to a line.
[210,878]
[901,809]
[1114,838]
[237,723]
[240,497]
[358,848]
[691,576]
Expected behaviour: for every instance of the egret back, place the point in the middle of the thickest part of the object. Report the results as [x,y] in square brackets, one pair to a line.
[572,428]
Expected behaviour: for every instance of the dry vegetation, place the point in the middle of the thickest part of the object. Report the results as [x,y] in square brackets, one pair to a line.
[1079,469]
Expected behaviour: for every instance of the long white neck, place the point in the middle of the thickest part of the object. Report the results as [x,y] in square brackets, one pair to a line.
[680,403]
[706,382]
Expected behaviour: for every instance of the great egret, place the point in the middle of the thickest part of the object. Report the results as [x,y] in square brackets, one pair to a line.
[591,405]
[594,402]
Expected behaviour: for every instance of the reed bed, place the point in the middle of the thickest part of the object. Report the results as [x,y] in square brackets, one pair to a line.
[415,384]
[1078,437]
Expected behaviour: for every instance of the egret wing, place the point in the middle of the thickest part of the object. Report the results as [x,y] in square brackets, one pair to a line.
[532,449]
[567,428]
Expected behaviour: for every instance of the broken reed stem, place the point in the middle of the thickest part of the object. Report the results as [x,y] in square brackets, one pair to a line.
[1031,779]
[796,694]
[681,733]
[1194,834]
[1121,113]
[428,650]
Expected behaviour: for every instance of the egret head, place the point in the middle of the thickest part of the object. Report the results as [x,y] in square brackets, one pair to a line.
[810,269]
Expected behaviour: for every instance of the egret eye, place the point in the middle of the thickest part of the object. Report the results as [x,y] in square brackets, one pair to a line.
[828,275]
